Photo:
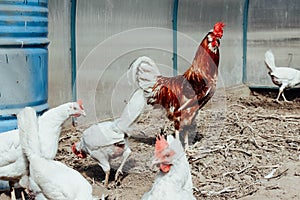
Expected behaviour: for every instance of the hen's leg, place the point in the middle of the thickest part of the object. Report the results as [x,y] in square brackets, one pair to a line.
[12,194]
[107,173]
[22,195]
[277,99]
[282,87]
[126,154]
[12,190]
[284,98]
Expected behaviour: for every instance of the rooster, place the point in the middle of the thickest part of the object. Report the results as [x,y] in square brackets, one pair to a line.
[183,95]
[13,165]
[48,179]
[284,77]
[107,140]
[174,180]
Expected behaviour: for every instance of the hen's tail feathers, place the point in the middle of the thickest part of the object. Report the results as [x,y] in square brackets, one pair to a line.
[28,130]
[270,61]
[132,110]
[143,73]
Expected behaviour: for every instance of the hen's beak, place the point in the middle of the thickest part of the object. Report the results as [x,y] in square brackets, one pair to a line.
[157,161]
[163,166]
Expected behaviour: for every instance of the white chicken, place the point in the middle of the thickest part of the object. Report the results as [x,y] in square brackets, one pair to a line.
[13,165]
[174,180]
[48,179]
[107,140]
[284,77]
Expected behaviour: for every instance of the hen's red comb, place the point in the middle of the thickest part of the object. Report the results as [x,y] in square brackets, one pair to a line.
[160,145]
[218,29]
[79,101]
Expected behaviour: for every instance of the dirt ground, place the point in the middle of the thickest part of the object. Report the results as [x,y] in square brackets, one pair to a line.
[242,147]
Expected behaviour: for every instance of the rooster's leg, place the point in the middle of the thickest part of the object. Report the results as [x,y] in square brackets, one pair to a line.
[186,140]
[177,134]
[125,157]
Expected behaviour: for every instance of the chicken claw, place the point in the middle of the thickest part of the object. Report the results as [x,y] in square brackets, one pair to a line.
[117,176]
[13,194]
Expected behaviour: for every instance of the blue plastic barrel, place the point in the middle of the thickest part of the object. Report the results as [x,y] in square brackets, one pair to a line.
[23,58]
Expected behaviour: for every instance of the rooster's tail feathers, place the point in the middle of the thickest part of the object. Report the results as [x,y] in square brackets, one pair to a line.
[28,130]
[143,73]
[270,61]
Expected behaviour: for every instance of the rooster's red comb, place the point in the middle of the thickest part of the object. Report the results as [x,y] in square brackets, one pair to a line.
[79,101]
[218,29]
[160,145]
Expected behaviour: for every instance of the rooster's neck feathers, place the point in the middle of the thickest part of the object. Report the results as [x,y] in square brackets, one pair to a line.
[206,61]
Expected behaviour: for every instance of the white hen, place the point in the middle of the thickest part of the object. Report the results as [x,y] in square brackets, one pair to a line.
[174,180]
[13,166]
[284,77]
[106,140]
[49,179]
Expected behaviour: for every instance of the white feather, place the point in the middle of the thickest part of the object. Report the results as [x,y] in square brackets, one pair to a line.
[290,77]
[143,73]
[13,165]
[270,61]
[48,179]
[177,183]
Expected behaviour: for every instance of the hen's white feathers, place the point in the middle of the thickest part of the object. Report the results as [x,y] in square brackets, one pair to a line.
[284,77]
[177,183]
[29,132]
[111,132]
[280,75]
[132,111]
[13,165]
[49,179]
[106,140]
[270,61]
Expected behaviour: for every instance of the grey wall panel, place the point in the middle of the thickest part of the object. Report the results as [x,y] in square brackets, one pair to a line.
[110,35]
[196,18]
[59,52]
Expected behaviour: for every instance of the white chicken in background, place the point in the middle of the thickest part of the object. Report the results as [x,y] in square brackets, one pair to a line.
[48,179]
[174,180]
[13,165]
[284,77]
[108,140]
